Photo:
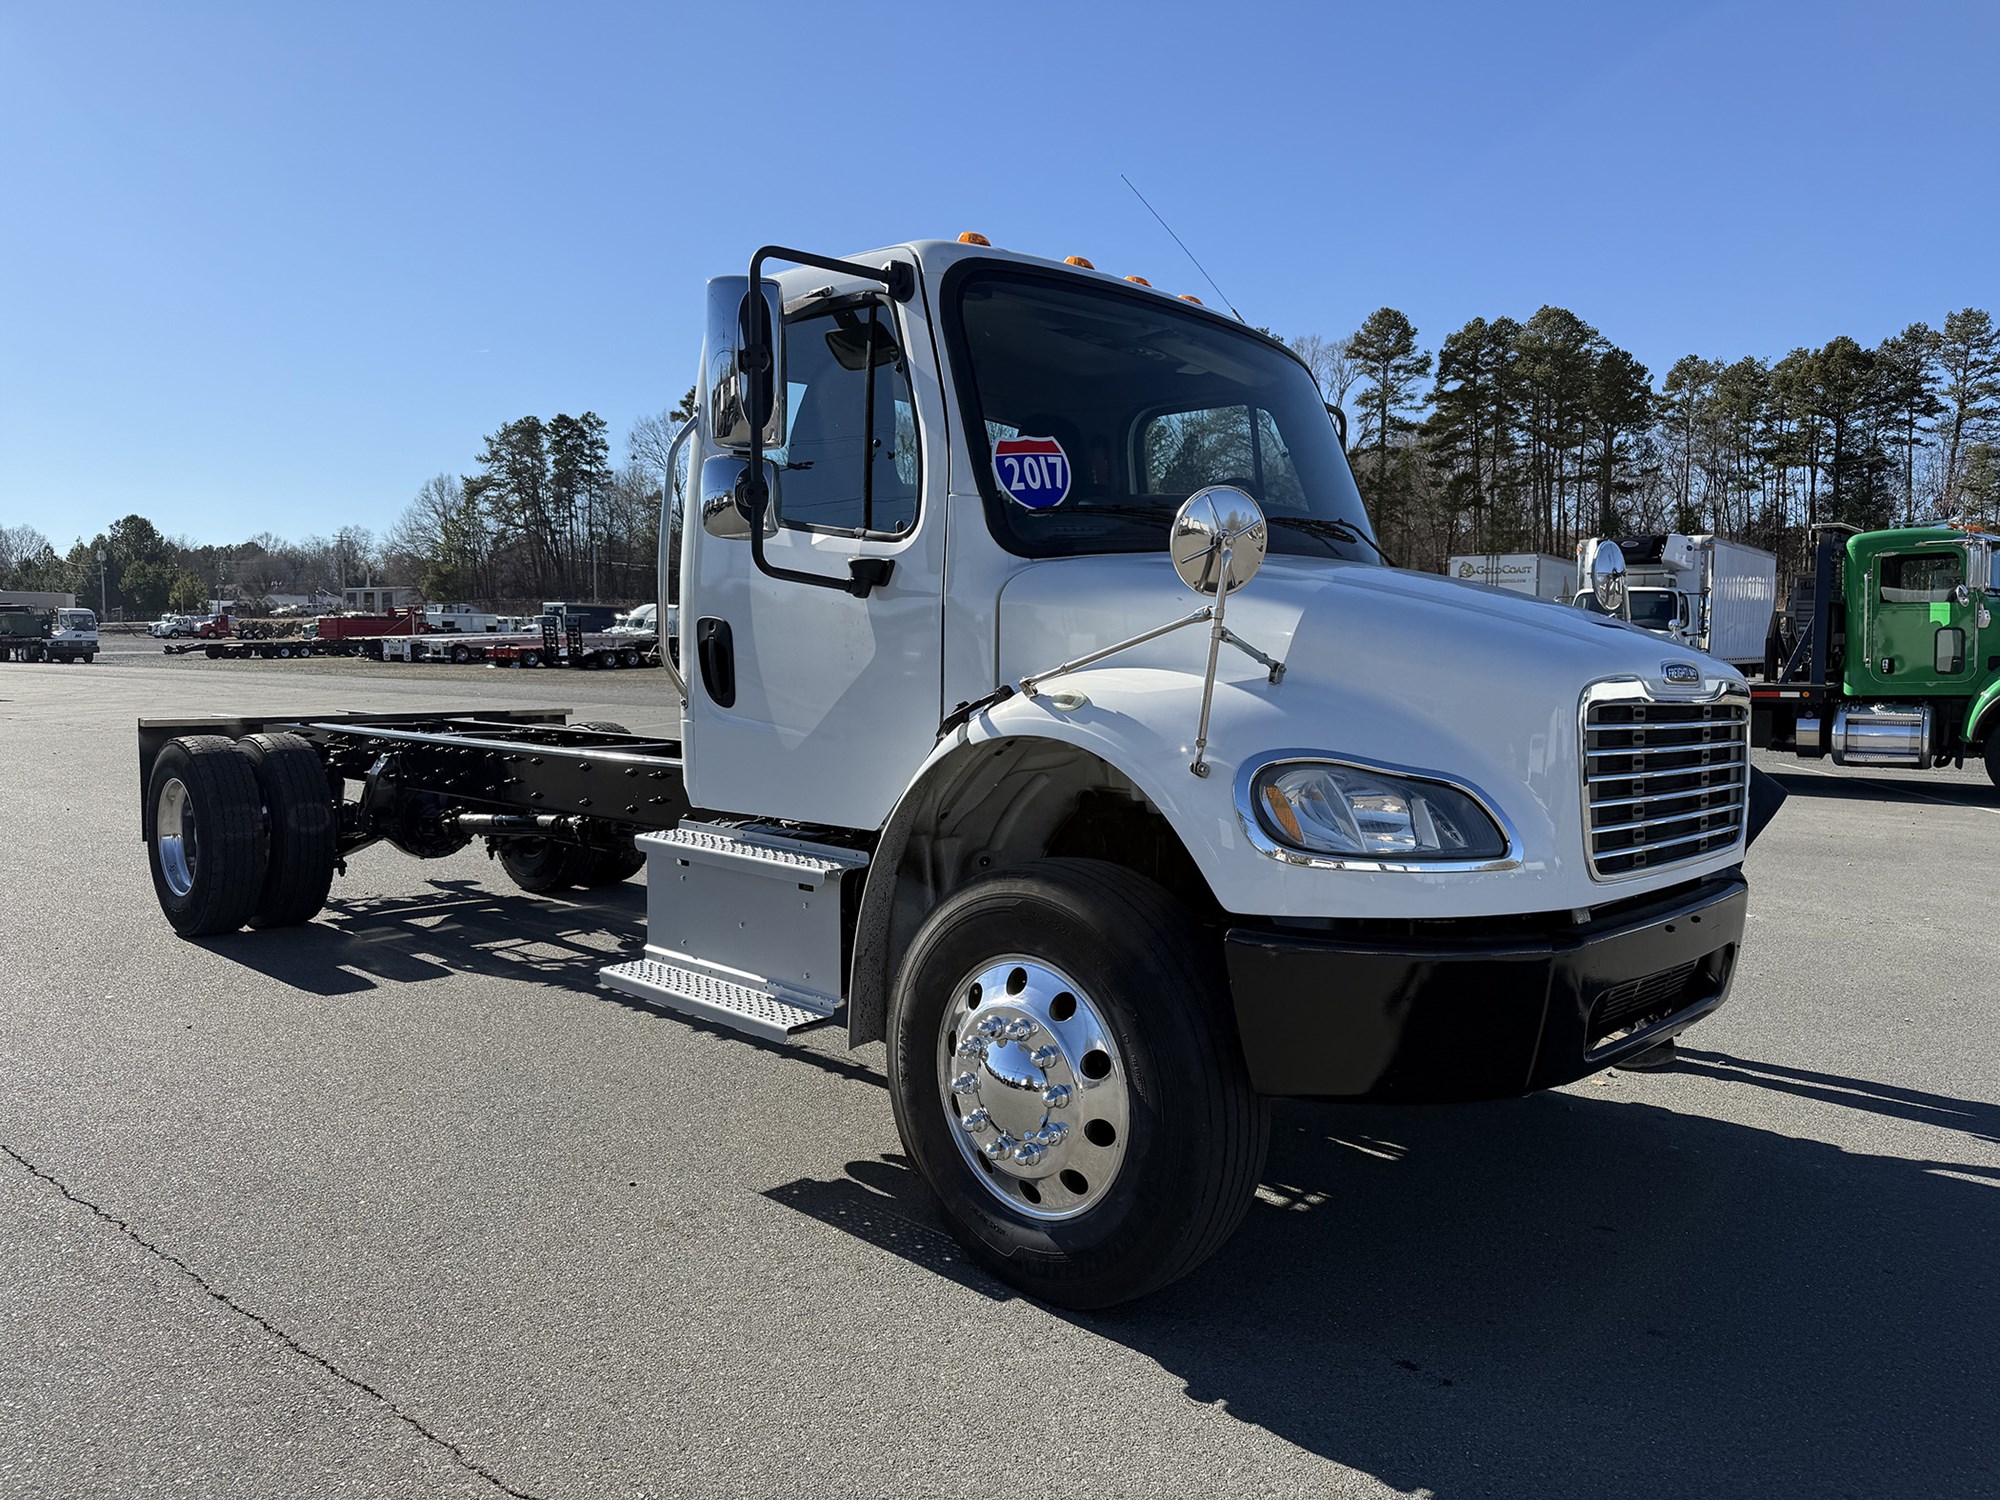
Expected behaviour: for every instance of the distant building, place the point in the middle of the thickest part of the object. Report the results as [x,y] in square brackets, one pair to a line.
[379,599]
[35,599]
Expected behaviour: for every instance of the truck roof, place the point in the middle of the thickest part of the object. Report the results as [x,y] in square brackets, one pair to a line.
[940,255]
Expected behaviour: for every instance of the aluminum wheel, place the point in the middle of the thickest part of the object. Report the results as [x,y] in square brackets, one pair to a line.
[1033,1088]
[176,838]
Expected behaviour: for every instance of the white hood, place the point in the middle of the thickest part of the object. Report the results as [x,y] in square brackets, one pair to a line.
[1475,684]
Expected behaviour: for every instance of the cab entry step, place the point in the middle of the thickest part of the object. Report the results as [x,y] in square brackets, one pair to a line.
[743,926]
[742,1007]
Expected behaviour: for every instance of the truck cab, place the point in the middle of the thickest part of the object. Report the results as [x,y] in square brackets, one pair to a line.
[1050,716]
[1897,662]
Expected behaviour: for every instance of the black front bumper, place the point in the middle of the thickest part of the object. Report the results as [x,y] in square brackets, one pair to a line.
[1450,1017]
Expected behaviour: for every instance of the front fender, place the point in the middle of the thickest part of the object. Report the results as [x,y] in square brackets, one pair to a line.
[1978,723]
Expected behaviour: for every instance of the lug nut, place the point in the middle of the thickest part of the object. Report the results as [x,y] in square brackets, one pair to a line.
[1019,1030]
[975,1122]
[999,1146]
[972,1046]
[1056,1095]
[992,1027]
[1052,1135]
[1030,1152]
[965,1083]
[1045,1057]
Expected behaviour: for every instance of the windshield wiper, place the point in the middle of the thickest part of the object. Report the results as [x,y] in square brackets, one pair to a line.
[1338,531]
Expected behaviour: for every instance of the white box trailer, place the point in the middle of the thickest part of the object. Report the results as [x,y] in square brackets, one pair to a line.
[1704,592]
[1533,573]
[1742,593]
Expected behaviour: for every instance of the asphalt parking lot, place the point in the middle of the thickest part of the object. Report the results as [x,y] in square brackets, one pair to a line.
[401,1203]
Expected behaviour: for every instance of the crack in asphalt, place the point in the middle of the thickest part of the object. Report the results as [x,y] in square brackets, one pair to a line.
[458,1454]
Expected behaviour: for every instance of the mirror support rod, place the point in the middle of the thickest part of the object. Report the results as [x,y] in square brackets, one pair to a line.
[864,574]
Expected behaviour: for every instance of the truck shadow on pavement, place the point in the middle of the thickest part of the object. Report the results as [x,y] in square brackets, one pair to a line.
[455,927]
[460,927]
[1835,786]
[1571,1295]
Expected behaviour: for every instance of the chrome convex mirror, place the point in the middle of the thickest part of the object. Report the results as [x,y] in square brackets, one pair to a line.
[735,400]
[1607,577]
[724,513]
[1218,540]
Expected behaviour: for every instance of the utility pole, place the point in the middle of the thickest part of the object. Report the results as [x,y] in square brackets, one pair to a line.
[103,586]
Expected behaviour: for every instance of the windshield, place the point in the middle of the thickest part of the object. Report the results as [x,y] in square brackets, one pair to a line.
[1654,609]
[1092,413]
[76,619]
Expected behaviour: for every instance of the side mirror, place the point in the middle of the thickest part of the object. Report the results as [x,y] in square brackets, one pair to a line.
[723,512]
[737,400]
[1962,595]
[1339,421]
[1218,540]
[1607,577]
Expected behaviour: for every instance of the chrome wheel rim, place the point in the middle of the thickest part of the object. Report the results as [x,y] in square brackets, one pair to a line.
[1033,1088]
[176,837]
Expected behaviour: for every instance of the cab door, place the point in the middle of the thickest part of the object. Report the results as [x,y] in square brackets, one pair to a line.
[806,703]
[1922,629]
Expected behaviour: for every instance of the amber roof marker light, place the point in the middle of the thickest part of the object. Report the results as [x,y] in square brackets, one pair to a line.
[974,237]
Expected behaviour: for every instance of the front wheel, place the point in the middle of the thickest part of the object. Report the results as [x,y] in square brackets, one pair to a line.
[1066,1076]
[1993,754]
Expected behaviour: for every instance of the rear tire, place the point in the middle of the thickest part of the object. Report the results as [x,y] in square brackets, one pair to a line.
[1161,1136]
[303,831]
[208,848]
[604,867]
[543,865]
[1993,753]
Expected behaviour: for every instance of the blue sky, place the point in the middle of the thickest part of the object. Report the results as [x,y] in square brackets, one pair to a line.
[272,266]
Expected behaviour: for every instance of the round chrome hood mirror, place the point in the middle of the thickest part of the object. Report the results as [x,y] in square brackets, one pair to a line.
[1218,540]
[1607,577]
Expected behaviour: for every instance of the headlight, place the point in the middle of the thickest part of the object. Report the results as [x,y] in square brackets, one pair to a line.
[1345,810]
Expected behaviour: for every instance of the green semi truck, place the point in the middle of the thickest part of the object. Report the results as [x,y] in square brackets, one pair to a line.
[1892,656]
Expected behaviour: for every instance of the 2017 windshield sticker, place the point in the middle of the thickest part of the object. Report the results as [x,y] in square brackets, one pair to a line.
[1032,471]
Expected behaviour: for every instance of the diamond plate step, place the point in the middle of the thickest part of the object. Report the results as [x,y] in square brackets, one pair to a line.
[738,1006]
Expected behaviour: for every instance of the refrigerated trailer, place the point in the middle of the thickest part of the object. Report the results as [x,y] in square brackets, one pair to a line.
[1705,592]
[1107,777]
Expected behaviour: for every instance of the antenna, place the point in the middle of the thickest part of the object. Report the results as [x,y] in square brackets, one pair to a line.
[1183,244]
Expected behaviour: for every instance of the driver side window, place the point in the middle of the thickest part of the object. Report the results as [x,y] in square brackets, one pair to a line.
[835,473]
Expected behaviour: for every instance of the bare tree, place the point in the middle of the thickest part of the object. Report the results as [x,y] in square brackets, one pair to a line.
[1332,362]
[18,544]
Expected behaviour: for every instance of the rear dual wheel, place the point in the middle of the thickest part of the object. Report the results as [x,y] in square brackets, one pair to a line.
[244,831]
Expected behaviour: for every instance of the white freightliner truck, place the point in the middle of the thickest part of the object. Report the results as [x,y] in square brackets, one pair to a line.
[1105,862]
[1704,592]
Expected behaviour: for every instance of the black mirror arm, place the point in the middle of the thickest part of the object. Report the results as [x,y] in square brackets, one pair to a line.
[864,574]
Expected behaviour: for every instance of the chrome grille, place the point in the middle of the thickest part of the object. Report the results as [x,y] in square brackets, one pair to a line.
[1664,782]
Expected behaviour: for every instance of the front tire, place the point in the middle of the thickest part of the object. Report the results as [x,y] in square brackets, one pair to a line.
[1993,754]
[209,846]
[1066,1076]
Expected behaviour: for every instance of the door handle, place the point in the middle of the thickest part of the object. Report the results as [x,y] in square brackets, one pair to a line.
[715,648]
